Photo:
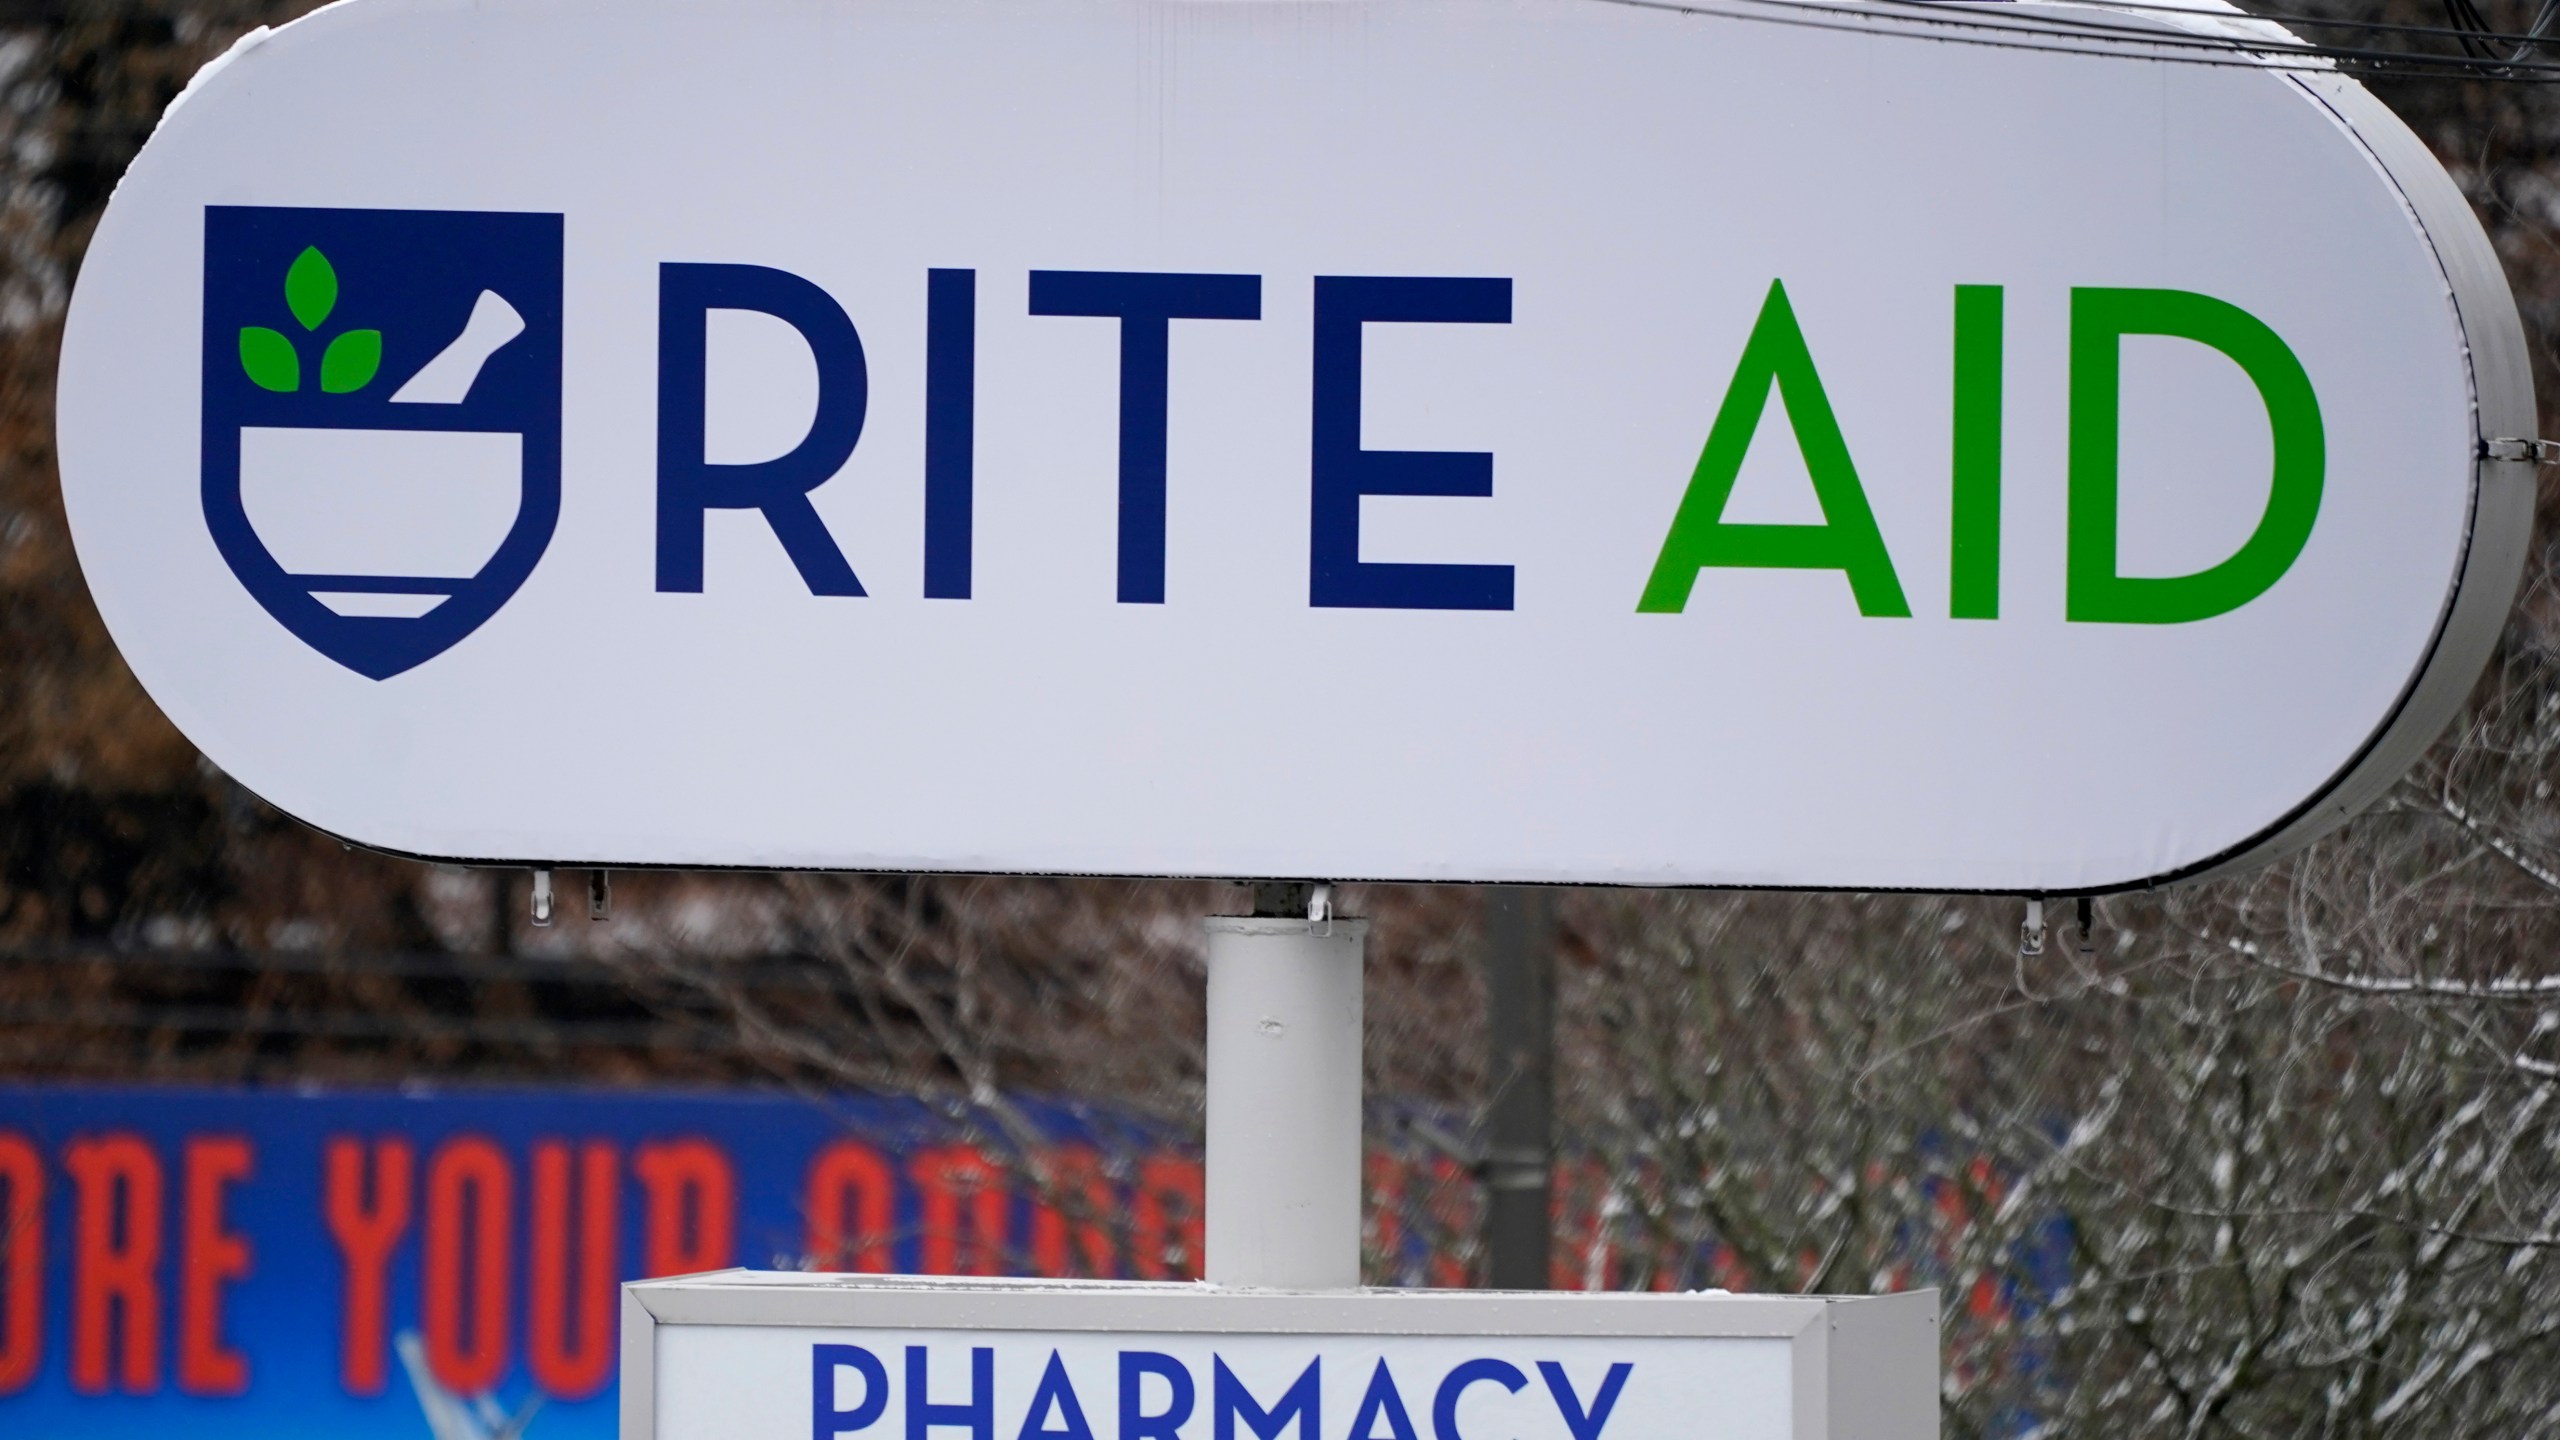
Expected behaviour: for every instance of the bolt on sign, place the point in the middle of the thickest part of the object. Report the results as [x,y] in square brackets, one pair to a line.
[1556,441]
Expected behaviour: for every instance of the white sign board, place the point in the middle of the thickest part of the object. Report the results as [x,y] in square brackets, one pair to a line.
[1551,441]
[749,1356]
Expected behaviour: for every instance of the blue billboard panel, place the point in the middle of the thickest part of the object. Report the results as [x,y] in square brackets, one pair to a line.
[442,1265]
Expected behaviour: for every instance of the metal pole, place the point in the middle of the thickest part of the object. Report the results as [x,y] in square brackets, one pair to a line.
[1283,1193]
[1519,1156]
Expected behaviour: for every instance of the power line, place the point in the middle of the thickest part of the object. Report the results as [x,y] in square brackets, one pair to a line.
[2538,34]
[2084,34]
[2473,28]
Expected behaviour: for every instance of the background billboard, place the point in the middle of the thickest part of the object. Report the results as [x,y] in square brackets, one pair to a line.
[441,1264]
[212,1262]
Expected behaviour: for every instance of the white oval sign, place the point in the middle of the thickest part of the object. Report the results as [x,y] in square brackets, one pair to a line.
[1424,440]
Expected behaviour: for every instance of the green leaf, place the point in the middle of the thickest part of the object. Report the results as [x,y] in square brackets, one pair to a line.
[350,362]
[269,359]
[311,288]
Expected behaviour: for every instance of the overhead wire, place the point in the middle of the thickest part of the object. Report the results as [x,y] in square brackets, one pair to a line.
[2486,53]
[2476,36]
[2482,31]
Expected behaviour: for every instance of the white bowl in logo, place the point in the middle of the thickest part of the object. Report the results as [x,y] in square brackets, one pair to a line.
[400,517]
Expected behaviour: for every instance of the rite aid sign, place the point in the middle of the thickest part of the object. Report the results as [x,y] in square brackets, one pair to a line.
[1424,439]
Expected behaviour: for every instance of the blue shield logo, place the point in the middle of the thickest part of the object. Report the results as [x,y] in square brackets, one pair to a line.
[381,419]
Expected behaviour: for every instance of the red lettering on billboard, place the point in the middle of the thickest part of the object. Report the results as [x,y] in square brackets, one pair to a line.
[21,1262]
[1580,1213]
[692,1207]
[570,1329]
[210,1257]
[1074,1202]
[367,1232]
[964,1204]
[115,1262]
[1165,1234]
[470,1219]
[1451,1206]
[851,1195]
[1385,1218]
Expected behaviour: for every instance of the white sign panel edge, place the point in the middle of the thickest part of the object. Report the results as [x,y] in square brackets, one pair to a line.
[2503,490]
[1863,1367]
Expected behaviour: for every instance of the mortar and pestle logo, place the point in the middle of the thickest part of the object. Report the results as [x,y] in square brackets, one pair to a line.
[381,522]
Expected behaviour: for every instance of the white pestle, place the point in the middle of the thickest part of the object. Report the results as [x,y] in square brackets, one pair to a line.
[447,379]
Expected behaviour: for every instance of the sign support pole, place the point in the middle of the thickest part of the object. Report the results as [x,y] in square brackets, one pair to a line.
[1519,1123]
[1283,1128]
